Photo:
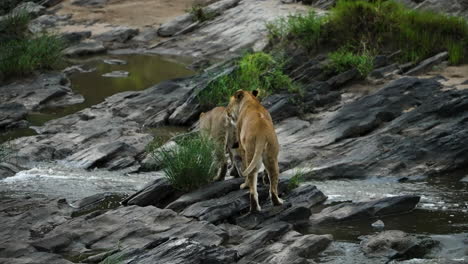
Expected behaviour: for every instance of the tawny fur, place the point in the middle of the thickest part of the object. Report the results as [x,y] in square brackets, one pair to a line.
[258,143]
[215,123]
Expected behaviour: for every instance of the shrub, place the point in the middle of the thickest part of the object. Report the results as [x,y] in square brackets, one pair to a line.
[256,71]
[192,163]
[343,60]
[23,56]
[296,179]
[376,25]
[201,14]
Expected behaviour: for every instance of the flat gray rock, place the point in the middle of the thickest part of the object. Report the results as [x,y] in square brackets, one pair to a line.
[116,74]
[85,48]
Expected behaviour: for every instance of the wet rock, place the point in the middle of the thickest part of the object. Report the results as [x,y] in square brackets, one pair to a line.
[11,114]
[99,202]
[118,34]
[116,74]
[182,250]
[366,210]
[115,62]
[133,226]
[256,238]
[75,37]
[85,48]
[288,247]
[214,190]
[159,193]
[397,244]
[8,169]
[31,8]
[101,156]
[428,64]
[76,69]
[378,224]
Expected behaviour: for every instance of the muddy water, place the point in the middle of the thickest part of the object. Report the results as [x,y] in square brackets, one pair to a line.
[144,71]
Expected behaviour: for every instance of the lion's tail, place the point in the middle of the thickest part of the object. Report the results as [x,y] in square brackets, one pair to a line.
[257,158]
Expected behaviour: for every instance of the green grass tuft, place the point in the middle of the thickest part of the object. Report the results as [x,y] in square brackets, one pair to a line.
[201,14]
[256,71]
[23,56]
[192,163]
[342,60]
[296,179]
[381,26]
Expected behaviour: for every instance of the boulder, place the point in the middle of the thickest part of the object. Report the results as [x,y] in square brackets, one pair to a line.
[118,34]
[102,156]
[397,244]
[343,78]
[176,25]
[85,48]
[365,210]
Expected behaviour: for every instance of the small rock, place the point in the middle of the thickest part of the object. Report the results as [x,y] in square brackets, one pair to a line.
[85,48]
[118,34]
[380,61]
[76,69]
[147,35]
[116,74]
[384,71]
[115,62]
[75,37]
[11,113]
[465,179]
[378,224]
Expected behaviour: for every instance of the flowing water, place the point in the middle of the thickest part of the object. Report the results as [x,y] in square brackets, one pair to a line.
[144,71]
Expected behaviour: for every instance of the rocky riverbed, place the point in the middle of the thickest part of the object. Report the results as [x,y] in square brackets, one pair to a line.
[382,160]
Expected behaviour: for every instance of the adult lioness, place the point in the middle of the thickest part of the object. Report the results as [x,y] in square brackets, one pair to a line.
[215,123]
[257,143]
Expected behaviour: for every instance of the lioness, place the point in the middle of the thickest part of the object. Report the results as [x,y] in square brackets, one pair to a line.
[257,143]
[215,123]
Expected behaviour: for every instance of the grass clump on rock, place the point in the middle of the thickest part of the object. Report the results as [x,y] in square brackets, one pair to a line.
[376,26]
[22,53]
[256,71]
[192,163]
[343,60]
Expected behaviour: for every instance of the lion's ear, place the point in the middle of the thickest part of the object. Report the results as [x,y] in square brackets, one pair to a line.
[202,114]
[239,95]
[255,93]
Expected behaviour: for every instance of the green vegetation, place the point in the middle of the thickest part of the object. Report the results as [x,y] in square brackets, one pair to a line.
[22,53]
[256,71]
[192,163]
[296,179]
[343,60]
[201,14]
[113,259]
[377,26]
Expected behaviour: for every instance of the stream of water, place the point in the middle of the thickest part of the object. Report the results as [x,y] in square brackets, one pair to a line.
[144,71]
